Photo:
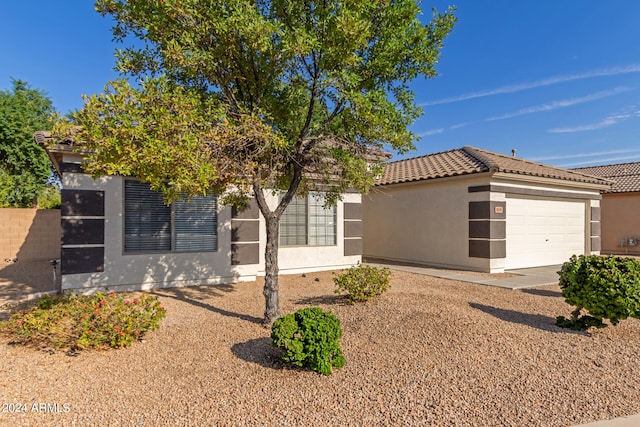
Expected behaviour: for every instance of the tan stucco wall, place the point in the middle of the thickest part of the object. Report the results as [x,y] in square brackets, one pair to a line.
[425,223]
[620,219]
[29,234]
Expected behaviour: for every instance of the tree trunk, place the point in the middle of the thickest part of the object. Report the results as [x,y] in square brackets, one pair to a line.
[272,307]
[272,219]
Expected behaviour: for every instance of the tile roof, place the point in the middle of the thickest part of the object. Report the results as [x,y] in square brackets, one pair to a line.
[625,176]
[469,160]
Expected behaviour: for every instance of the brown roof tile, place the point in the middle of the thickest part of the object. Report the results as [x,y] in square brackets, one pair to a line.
[469,160]
[625,176]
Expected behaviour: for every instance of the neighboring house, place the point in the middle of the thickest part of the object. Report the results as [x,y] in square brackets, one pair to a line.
[478,210]
[620,207]
[118,234]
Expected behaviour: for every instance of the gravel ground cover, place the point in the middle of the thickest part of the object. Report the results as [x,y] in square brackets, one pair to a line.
[428,352]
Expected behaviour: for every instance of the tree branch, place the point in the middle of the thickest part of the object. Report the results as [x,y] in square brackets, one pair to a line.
[291,191]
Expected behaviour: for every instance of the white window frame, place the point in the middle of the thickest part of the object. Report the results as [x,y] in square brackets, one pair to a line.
[319,223]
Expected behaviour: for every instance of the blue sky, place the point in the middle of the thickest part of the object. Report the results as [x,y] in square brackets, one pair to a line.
[557,80]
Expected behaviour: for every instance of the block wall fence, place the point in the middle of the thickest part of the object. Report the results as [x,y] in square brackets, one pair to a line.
[29,234]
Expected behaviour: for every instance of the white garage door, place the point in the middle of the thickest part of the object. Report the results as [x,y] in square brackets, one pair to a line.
[543,232]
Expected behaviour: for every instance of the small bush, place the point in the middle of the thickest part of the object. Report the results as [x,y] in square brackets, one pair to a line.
[362,282]
[71,322]
[606,287]
[309,338]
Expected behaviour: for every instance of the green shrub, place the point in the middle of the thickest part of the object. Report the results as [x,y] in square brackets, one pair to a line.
[71,322]
[309,338]
[49,198]
[606,287]
[362,282]
[578,322]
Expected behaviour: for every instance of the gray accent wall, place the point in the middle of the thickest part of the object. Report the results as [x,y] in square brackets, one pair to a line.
[82,221]
[595,234]
[352,247]
[245,234]
[487,228]
[489,249]
[352,229]
[66,167]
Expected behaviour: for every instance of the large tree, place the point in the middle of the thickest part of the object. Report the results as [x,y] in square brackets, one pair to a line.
[24,166]
[243,97]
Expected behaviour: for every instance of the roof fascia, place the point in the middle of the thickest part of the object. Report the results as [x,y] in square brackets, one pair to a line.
[530,179]
[461,177]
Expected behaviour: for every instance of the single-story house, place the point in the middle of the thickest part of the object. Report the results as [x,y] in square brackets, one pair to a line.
[474,209]
[619,207]
[117,234]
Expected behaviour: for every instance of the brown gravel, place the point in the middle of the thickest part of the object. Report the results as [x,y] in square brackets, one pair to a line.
[428,352]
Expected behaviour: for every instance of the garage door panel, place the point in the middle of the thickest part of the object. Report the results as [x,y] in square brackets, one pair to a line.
[543,232]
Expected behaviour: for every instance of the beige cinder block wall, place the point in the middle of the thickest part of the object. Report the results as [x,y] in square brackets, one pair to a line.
[620,219]
[29,234]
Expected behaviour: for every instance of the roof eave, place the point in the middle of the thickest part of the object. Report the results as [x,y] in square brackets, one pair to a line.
[600,186]
[465,175]
[57,149]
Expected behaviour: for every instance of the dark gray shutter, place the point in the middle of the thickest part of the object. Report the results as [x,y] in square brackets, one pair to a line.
[147,220]
[196,224]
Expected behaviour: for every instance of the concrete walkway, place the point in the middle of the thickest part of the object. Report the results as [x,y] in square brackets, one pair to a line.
[630,421]
[515,279]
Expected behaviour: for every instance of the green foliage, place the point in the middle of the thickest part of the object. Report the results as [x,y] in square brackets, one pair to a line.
[24,166]
[259,95]
[578,322]
[309,338]
[607,287]
[362,282]
[277,91]
[49,198]
[71,322]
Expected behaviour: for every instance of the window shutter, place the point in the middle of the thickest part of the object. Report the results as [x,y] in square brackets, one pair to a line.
[147,220]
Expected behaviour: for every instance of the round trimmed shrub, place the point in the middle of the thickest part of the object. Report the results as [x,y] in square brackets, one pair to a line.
[607,287]
[309,338]
[362,282]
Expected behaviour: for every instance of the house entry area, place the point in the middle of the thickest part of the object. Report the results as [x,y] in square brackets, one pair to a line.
[543,231]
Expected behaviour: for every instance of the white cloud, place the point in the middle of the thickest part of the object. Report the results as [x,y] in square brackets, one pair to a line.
[431,132]
[602,161]
[554,105]
[613,71]
[610,120]
[461,125]
[586,155]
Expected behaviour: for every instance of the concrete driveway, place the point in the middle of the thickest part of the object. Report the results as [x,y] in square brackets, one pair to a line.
[511,279]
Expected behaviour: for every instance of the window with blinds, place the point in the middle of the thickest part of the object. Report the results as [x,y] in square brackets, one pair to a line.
[306,222]
[151,226]
[196,225]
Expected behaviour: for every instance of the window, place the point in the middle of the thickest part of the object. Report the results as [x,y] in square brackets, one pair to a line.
[307,222]
[152,226]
